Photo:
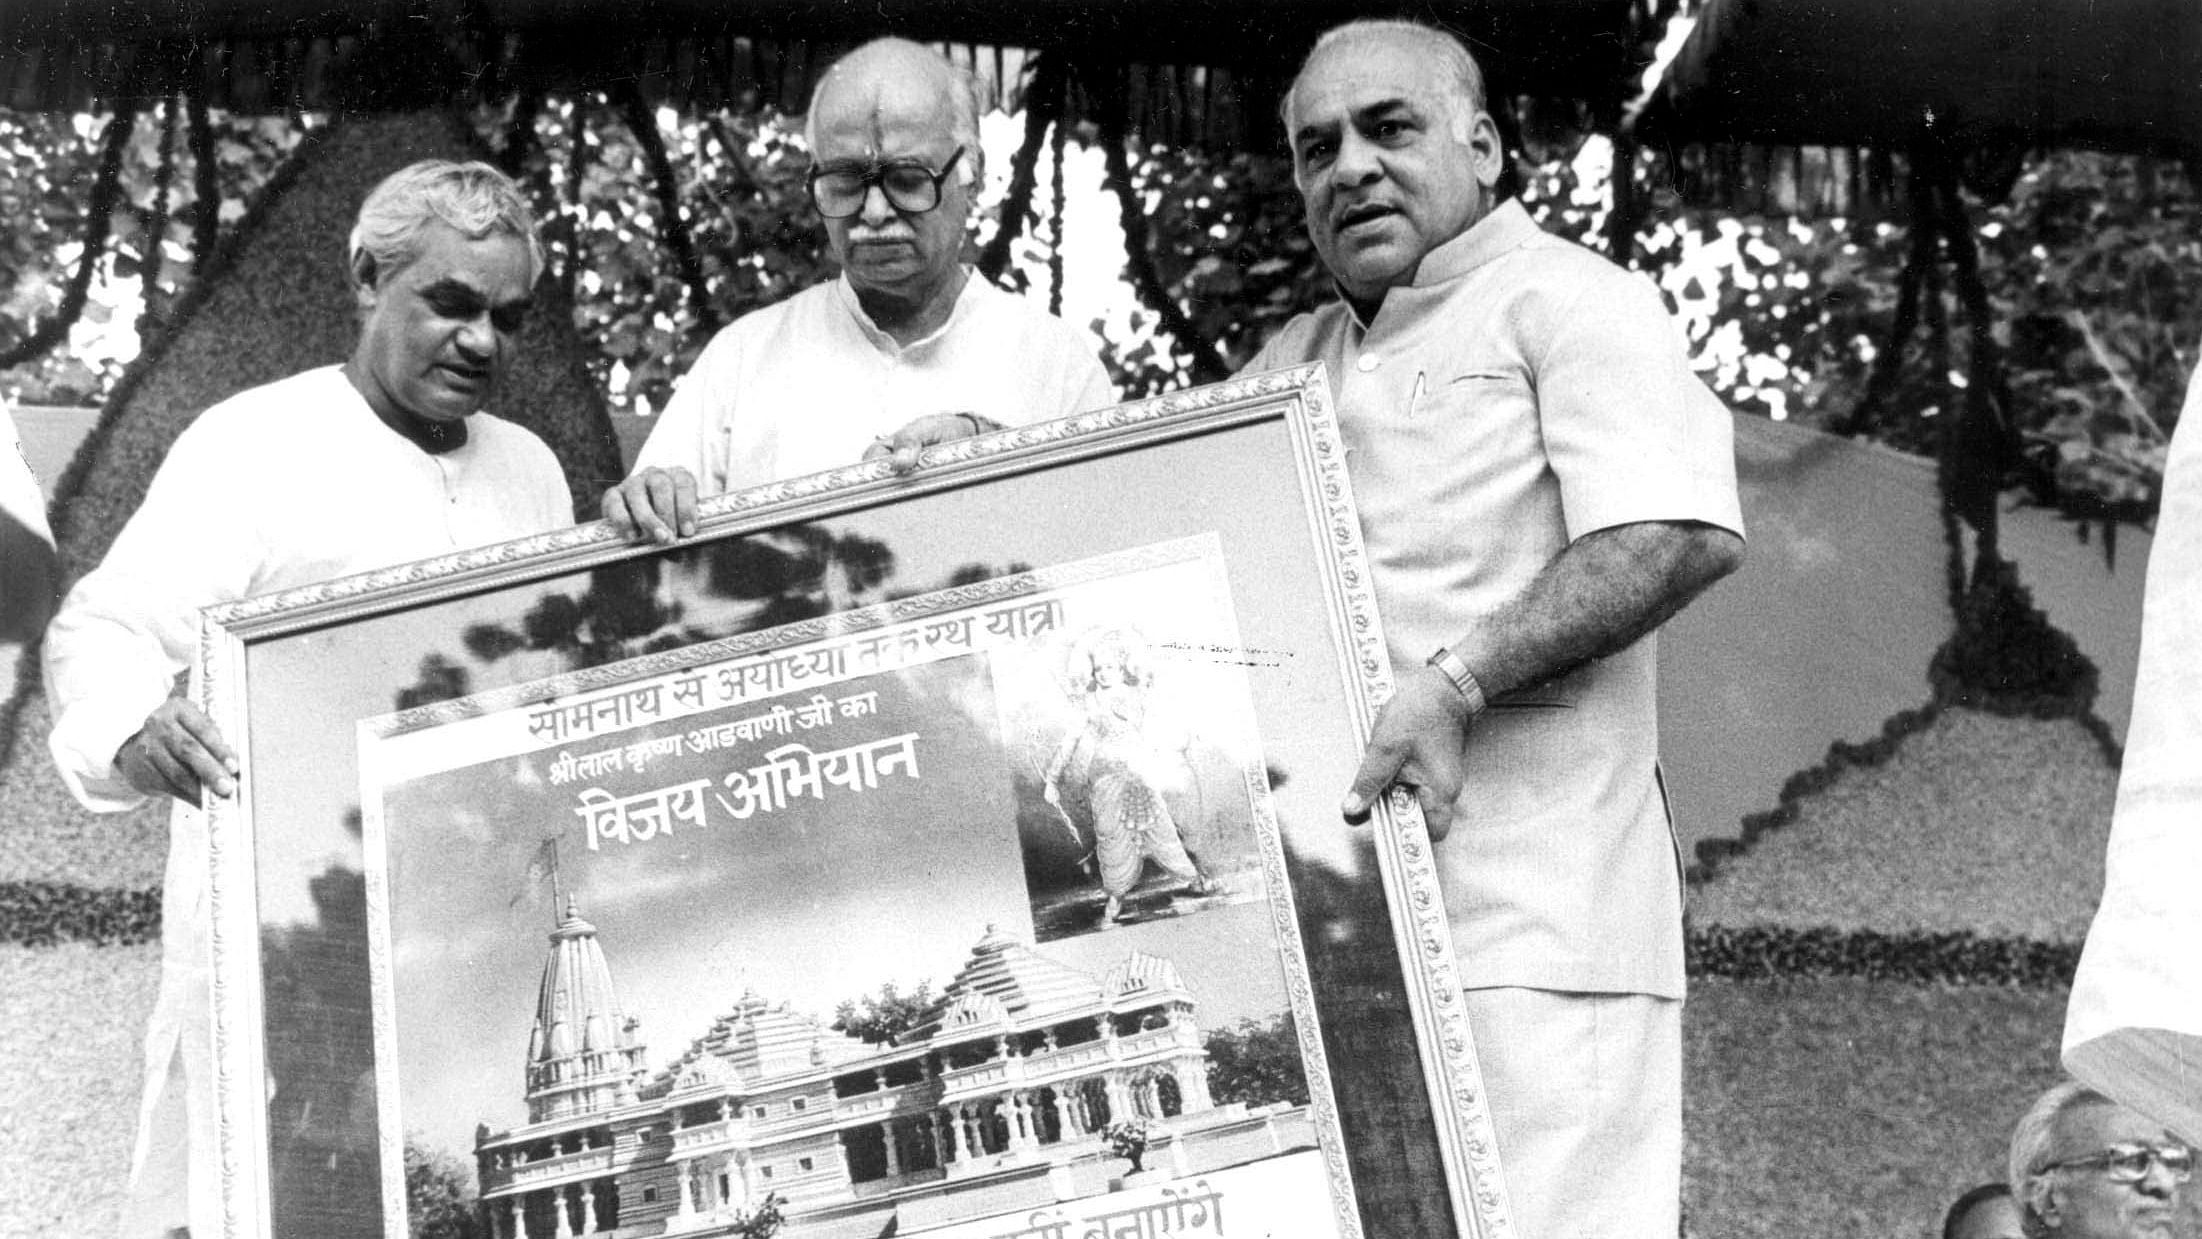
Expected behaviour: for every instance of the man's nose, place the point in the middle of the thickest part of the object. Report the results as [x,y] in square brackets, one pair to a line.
[877,211]
[1357,163]
[478,337]
[2159,1181]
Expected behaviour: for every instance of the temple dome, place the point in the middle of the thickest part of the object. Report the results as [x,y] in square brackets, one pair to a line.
[584,1050]
[1004,982]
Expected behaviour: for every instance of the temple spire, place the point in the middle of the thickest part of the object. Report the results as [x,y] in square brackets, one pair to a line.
[584,1054]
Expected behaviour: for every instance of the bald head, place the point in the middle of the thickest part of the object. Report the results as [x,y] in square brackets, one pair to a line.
[896,87]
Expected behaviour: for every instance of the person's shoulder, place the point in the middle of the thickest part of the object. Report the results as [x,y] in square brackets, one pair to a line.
[283,406]
[992,302]
[1554,266]
[766,321]
[1301,339]
[1550,254]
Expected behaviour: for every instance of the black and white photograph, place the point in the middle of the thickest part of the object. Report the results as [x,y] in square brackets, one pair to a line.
[777,952]
[1100,619]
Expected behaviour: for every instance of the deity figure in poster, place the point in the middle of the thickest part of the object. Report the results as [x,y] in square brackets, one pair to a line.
[1123,760]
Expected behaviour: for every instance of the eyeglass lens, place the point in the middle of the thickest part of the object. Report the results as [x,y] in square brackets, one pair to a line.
[839,192]
[2130,1163]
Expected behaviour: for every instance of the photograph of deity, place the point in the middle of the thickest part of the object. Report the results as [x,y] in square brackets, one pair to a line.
[956,918]
[1148,786]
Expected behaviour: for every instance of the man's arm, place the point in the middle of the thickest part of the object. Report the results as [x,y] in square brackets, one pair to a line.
[1600,595]
[116,648]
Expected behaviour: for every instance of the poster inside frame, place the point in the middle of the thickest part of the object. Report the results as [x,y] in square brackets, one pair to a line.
[938,855]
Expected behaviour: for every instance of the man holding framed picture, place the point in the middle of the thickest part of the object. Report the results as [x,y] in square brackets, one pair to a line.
[343,469]
[906,349]
[1541,482]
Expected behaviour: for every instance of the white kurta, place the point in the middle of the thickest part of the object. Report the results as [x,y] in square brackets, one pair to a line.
[2133,1029]
[289,484]
[809,383]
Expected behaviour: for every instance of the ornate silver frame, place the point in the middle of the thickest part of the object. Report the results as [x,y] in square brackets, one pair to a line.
[1295,401]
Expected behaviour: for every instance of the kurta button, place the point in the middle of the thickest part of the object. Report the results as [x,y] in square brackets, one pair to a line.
[1368,362]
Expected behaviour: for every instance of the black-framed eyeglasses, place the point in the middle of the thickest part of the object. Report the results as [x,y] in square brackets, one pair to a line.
[2129,1161]
[838,191]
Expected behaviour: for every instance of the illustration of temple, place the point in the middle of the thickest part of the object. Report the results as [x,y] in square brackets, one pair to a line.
[995,1100]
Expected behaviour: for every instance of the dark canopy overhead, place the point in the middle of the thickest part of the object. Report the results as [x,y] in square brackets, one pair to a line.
[2122,75]
[1213,67]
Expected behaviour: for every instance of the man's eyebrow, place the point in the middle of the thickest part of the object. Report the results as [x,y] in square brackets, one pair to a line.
[1312,129]
[1382,107]
[451,286]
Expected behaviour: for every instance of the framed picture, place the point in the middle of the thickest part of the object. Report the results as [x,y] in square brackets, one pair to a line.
[950,854]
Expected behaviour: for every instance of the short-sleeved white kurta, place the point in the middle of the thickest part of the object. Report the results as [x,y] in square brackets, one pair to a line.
[1521,393]
[809,383]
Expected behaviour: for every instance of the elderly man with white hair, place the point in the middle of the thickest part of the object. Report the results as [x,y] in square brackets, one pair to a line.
[905,349]
[2085,1167]
[347,468]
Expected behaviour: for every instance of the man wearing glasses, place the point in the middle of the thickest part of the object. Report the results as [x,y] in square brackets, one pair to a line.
[904,350]
[2085,1167]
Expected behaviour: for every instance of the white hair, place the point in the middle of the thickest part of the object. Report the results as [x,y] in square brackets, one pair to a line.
[2034,1141]
[964,94]
[1453,57]
[472,197]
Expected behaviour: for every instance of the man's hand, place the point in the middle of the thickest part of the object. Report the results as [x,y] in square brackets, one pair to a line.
[178,753]
[655,505]
[1415,743]
[903,446]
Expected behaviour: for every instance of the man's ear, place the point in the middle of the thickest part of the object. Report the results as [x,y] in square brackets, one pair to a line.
[1486,150]
[363,281]
[2050,1208]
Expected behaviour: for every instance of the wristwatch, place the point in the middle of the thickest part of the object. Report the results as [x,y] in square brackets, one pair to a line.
[1449,665]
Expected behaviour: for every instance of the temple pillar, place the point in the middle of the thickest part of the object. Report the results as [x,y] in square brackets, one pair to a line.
[562,1212]
[1023,1130]
[516,1212]
[1192,1088]
[1063,1120]
[973,1139]
[588,1208]
[1120,1101]
[737,1182]
[894,1155]
[686,1172]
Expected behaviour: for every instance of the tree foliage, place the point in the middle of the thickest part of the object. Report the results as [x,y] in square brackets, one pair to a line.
[883,1016]
[2092,266]
[1229,245]
[741,196]
[1256,1064]
[2092,263]
[47,168]
[439,1196]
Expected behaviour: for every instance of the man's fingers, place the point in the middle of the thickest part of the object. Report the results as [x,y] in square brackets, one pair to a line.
[1379,767]
[1437,811]
[170,775]
[613,507]
[684,501]
[202,769]
[660,499]
[201,730]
